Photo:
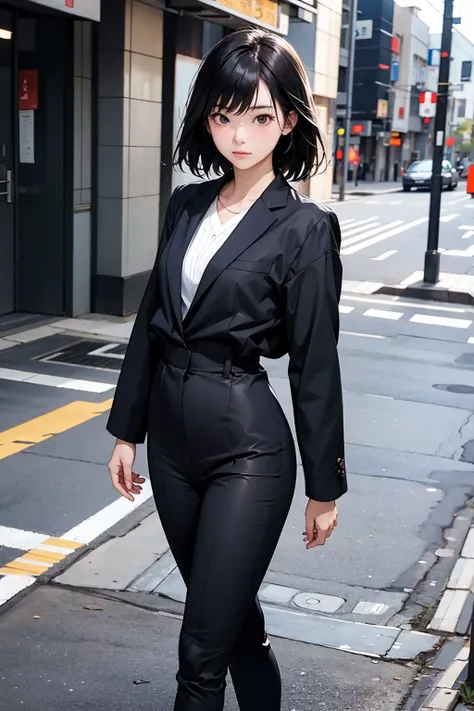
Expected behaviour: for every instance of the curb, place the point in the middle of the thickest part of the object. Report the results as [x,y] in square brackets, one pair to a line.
[445,693]
[428,293]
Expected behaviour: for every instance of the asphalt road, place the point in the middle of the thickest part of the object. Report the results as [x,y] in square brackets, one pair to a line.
[385,236]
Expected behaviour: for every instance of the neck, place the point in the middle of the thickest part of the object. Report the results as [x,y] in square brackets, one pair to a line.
[250,183]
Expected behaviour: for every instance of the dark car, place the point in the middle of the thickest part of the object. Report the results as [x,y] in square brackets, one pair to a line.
[420,174]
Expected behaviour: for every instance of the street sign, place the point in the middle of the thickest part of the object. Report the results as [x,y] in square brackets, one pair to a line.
[434,57]
[456,20]
[364,29]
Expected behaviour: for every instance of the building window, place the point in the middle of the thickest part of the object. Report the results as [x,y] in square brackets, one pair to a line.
[466,70]
[462,108]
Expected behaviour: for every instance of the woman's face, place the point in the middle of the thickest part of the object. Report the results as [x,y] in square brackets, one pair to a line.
[248,139]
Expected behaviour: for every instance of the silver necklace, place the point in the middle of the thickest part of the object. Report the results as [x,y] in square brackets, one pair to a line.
[228,209]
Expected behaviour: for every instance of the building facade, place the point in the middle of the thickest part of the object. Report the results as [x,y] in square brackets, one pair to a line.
[461,78]
[411,137]
[92,94]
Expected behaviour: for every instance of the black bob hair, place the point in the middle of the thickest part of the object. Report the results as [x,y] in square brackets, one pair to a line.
[228,78]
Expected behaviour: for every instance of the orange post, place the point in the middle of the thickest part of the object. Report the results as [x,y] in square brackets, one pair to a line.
[470,180]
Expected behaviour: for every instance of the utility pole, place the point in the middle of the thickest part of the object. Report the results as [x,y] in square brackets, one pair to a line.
[432,256]
[349,85]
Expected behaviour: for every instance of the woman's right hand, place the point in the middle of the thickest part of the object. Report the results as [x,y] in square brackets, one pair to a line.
[120,466]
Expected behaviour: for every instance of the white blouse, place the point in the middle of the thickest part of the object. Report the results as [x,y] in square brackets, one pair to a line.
[208,238]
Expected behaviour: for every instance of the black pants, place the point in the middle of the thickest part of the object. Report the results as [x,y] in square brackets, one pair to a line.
[222,466]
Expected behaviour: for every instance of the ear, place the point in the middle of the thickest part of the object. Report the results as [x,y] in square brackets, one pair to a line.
[291,120]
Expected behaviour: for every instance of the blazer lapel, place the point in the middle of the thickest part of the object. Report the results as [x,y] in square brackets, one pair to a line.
[257,221]
[187,224]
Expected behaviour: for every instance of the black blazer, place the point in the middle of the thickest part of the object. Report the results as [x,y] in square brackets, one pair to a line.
[272,288]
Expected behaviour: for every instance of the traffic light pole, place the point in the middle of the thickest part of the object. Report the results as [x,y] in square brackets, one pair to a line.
[432,256]
[349,84]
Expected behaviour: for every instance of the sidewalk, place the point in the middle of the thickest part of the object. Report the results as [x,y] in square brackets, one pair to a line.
[369,188]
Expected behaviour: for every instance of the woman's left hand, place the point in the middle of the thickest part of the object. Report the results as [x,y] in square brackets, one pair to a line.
[321,518]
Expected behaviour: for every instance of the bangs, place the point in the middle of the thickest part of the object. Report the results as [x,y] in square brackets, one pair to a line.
[236,85]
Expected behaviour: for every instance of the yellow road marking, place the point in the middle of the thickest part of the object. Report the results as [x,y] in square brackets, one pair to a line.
[28,567]
[13,571]
[46,426]
[46,556]
[62,543]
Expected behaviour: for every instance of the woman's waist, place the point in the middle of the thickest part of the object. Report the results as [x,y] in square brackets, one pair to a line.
[210,357]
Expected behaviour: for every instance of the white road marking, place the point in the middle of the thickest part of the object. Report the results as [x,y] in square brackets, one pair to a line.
[20,539]
[380,313]
[99,522]
[448,218]
[468,234]
[471,339]
[395,202]
[385,255]
[11,585]
[104,351]
[385,235]
[469,252]
[461,199]
[360,225]
[372,202]
[369,233]
[441,321]
[23,376]
[465,227]
[342,223]
[363,335]
[345,309]
[396,302]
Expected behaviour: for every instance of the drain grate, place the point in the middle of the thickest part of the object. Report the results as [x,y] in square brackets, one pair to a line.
[91,354]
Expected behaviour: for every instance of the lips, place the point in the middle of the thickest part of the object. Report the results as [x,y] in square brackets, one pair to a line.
[240,153]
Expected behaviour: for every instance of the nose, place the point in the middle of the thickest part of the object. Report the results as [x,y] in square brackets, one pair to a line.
[239,135]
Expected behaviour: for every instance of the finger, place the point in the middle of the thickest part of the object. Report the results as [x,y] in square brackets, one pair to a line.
[138,478]
[119,486]
[127,474]
[310,528]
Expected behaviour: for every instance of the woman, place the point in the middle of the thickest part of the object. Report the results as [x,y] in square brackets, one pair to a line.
[246,267]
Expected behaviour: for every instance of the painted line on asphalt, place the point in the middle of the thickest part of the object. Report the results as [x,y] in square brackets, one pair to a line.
[367,234]
[397,302]
[380,313]
[441,321]
[345,309]
[448,218]
[385,255]
[362,335]
[46,426]
[465,227]
[468,234]
[471,339]
[385,235]
[54,381]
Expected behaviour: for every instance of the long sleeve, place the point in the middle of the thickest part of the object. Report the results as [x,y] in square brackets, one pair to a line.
[128,417]
[312,325]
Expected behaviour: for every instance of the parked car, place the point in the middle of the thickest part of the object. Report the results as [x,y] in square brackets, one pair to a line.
[420,174]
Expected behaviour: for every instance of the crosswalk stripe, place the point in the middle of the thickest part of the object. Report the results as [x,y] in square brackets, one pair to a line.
[471,339]
[371,233]
[380,313]
[441,321]
[385,235]
[385,255]
[342,223]
[448,218]
[345,309]
[359,226]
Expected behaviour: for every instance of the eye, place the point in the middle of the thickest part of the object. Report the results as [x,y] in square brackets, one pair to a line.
[219,118]
[264,119]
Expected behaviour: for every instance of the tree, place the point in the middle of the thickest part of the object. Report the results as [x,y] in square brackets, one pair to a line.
[465,136]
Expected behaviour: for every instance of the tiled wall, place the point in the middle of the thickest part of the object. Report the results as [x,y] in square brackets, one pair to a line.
[81,291]
[130,95]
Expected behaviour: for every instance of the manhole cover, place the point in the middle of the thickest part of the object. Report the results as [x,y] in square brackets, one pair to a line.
[91,354]
[458,389]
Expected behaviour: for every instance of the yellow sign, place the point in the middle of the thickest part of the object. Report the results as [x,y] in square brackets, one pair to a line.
[340,131]
[259,10]
[382,108]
